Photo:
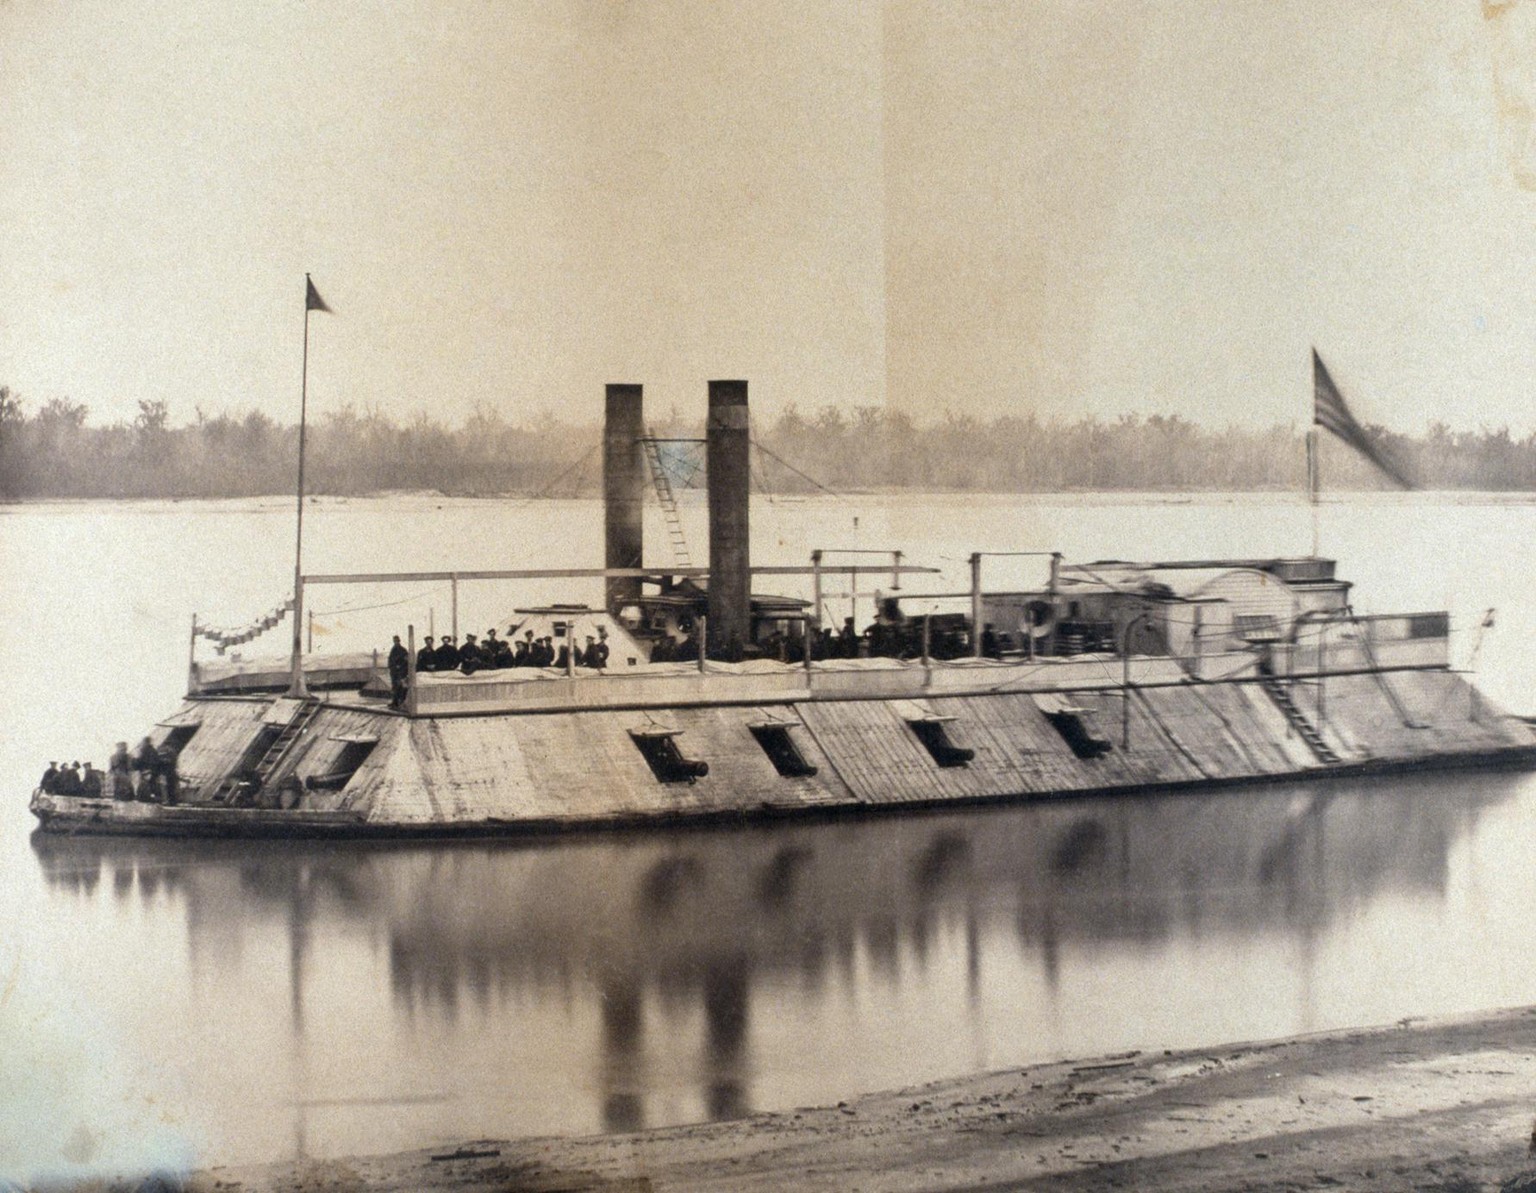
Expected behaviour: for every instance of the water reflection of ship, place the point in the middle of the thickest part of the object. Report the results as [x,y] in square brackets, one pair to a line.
[659,926]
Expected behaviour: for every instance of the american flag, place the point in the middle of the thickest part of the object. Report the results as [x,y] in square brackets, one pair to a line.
[1330,413]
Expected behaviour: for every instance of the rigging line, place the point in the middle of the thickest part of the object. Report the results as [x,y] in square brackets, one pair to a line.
[803,476]
[694,458]
[547,489]
[762,483]
[385,605]
[762,473]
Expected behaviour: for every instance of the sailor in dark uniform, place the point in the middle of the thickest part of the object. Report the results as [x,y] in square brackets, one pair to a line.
[520,656]
[119,768]
[399,667]
[447,654]
[50,783]
[165,772]
[470,658]
[597,652]
[144,762]
[426,657]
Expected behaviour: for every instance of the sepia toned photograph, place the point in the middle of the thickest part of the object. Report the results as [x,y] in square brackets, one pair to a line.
[779,595]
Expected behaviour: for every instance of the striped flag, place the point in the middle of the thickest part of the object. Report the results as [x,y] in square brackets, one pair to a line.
[1330,413]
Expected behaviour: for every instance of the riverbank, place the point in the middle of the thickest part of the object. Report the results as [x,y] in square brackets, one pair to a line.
[1433,1105]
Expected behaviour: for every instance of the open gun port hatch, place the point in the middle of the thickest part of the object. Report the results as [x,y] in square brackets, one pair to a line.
[347,753]
[659,748]
[1075,724]
[782,751]
[930,728]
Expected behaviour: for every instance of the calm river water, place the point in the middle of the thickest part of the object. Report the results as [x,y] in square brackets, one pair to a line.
[177,1002]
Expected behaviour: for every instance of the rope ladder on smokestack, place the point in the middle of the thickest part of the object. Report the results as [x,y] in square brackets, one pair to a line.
[667,500]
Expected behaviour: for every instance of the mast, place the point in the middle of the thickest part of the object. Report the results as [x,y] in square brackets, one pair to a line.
[296,687]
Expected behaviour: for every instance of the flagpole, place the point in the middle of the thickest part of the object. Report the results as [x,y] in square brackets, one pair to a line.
[296,687]
[1314,480]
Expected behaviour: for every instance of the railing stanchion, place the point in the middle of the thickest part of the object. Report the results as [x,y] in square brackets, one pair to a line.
[410,668]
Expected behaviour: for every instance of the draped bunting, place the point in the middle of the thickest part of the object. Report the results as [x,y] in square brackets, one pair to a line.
[224,639]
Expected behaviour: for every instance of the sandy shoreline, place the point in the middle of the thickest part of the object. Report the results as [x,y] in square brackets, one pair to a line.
[1433,1105]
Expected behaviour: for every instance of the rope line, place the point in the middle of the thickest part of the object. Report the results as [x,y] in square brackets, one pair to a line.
[382,605]
[803,476]
[547,489]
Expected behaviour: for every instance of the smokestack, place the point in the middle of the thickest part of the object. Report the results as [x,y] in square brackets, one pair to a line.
[623,491]
[730,562]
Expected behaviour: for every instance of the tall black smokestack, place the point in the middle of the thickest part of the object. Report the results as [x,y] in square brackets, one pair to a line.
[623,491]
[730,561]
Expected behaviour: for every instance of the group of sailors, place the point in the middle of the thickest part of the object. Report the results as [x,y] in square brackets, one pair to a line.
[147,774]
[493,654]
[891,635]
[69,779]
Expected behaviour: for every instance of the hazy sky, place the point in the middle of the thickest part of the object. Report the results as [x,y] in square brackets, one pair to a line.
[1062,206]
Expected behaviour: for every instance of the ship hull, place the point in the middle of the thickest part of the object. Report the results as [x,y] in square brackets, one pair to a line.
[66,815]
[356,769]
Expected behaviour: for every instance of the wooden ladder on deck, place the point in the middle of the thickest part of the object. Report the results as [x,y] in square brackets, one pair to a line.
[273,756]
[1308,732]
[667,501]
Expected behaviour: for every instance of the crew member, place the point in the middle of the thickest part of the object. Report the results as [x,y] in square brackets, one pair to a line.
[426,657]
[144,763]
[119,768]
[165,772]
[399,667]
[470,658]
[50,782]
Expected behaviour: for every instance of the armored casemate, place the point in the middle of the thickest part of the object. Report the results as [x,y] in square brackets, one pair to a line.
[718,698]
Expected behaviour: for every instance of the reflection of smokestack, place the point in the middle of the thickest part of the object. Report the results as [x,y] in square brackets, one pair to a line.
[623,490]
[730,560]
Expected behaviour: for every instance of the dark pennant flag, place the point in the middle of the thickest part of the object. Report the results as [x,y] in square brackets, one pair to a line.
[312,299]
[1330,413]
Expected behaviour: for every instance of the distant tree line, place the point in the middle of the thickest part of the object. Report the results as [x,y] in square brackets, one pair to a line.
[53,451]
